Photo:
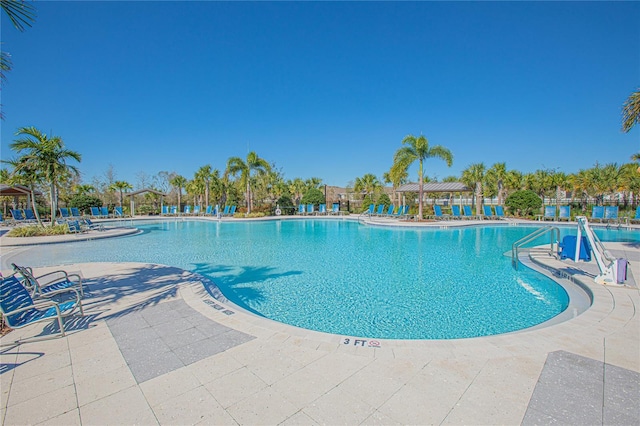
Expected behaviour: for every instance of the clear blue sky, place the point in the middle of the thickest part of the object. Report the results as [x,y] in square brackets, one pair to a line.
[326,89]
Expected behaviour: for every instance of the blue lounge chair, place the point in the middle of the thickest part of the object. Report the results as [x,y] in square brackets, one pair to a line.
[87,225]
[187,210]
[597,213]
[565,213]
[405,212]
[19,310]
[208,211]
[399,211]
[95,212]
[335,208]
[64,212]
[390,210]
[310,209]
[226,211]
[437,213]
[164,210]
[500,212]
[371,210]
[173,211]
[467,213]
[48,284]
[302,209]
[74,226]
[18,217]
[549,213]
[7,222]
[196,210]
[29,216]
[232,210]
[380,210]
[455,212]
[322,209]
[104,212]
[487,211]
[636,218]
[75,212]
[611,214]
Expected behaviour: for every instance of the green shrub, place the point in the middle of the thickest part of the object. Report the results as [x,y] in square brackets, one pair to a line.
[523,203]
[286,205]
[252,214]
[85,202]
[366,202]
[38,231]
[313,196]
[146,209]
[384,199]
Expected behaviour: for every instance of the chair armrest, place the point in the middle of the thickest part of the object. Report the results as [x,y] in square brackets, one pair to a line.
[39,303]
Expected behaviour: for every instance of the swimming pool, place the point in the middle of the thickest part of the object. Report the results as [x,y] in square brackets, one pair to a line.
[341,277]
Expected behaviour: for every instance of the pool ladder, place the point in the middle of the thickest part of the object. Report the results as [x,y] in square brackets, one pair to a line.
[554,236]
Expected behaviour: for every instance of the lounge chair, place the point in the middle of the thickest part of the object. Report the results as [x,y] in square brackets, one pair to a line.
[104,212]
[74,226]
[164,210]
[19,309]
[29,215]
[18,217]
[6,222]
[455,212]
[208,211]
[322,209]
[48,284]
[597,213]
[95,212]
[64,212]
[565,213]
[75,212]
[232,211]
[335,208]
[196,210]
[173,211]
[549,213]
[371,209]
[186,210]
[487,212]
[399,211]
[390,210]
[310,209]
[467,213]
[437,213]
[636,218]
[380,210]
[611,214]
[226,211]
[500,212]
[87,224]
[118,212]
[302,209]
[405,212]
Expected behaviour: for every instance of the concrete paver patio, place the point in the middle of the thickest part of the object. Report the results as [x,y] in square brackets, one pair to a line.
[155,348]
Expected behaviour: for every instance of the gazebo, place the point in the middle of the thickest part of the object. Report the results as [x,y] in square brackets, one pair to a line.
[16,191]
[431,187]
[142,191]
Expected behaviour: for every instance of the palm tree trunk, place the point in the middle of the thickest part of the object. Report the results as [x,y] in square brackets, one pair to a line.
[35,208]
[52,188]
[420,192]
[248,195]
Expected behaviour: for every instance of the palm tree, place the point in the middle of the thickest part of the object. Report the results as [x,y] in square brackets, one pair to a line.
[178,182]
[84,189]
[121,186]
[368,184]
[236,165]
[24,174]
[47,156]
[498,174]
[417,148]
[631,111]
[297,188]
[396,178]
[474,176]
[204,176]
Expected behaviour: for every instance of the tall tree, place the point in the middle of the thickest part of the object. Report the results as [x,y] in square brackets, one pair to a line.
[84,189]
[203,175]
[498,174]
[417,148]
[631,111]
[246,169]
[474,176]
[47,156]
[368,184]
[178,182]
[121,186]
[25,174]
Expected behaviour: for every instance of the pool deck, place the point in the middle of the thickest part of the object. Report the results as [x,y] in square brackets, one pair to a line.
[154,347]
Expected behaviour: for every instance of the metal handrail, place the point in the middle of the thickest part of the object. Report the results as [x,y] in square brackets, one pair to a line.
[534,235]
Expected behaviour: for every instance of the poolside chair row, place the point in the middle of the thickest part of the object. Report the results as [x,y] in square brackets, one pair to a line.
[22,216]
[388,211]
[467,213]
[602,214]
[80,225]
[228,210]
[310,209]
[26,299]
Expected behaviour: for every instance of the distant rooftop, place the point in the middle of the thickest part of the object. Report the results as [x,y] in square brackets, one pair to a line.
[436,187]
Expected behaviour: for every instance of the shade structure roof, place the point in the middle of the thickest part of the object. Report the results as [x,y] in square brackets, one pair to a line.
[142,191]
[16,191]
[435,187]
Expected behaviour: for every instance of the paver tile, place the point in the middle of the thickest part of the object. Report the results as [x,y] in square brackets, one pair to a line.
[192,407]
[235,387]
[24,390]
[265,407]
[169,385]
[50,406]
[125,407]
[339,407]
[103,384]
[214,367]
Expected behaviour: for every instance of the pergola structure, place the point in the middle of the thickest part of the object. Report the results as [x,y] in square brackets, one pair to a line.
[16,191]
[143,191]
[431,187]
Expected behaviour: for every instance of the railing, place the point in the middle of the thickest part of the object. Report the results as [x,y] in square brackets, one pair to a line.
[554,231]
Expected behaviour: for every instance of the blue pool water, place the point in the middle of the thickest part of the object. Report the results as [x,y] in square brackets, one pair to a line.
[345,278]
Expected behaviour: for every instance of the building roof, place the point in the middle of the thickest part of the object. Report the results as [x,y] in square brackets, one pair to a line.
[141,191]
[436,187]
[16,190]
